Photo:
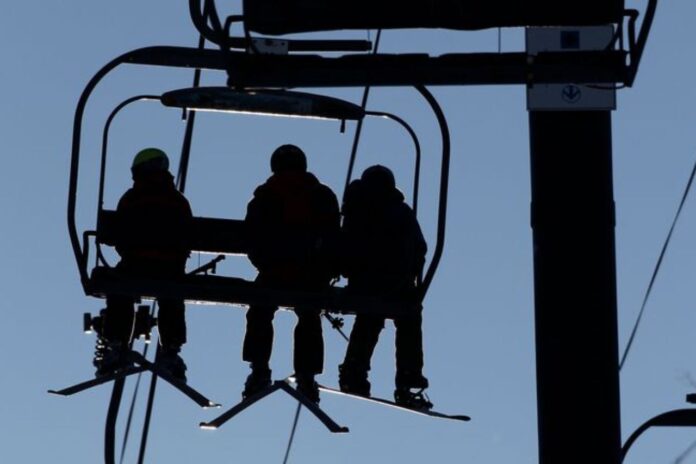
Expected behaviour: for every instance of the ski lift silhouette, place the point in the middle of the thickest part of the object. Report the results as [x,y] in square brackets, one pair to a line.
[247,70]
[228,236]
[212,234]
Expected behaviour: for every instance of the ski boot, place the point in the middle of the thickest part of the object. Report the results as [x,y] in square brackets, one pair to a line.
[109,357]
[169,360]
[410,391]
[353,380]
[259,379]
[308,386]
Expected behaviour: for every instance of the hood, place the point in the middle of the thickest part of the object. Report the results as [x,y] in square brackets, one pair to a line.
[154,182]
[287,183]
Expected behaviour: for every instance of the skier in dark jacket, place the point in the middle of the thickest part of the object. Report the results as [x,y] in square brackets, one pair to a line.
[291,221]
[384,255]
[153,242]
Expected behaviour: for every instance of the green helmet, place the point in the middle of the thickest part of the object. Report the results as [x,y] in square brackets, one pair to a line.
[150,159]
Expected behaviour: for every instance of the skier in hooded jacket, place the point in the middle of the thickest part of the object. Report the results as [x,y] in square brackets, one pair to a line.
[153,242]
[384,253]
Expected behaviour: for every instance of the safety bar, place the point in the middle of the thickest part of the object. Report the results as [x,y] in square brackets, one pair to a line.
[444,185]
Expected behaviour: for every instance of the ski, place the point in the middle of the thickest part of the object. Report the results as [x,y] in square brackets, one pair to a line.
[184,388]
[313,408]
[275,386]
[239,407]
[120,374]
[384,402]
[142,365]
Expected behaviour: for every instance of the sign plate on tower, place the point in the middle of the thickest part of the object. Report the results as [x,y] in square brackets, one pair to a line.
[570,96]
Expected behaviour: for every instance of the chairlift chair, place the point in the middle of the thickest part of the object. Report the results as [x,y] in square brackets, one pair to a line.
[228,236]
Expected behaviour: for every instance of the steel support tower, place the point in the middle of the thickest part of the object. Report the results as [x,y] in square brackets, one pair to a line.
[575,287]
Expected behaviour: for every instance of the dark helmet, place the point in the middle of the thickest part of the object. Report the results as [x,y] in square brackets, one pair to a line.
[378,177]
[150,160]
[288,158]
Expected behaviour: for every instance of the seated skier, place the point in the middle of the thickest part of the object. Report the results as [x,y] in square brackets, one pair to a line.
[153,243]
[384,255]
[290,220]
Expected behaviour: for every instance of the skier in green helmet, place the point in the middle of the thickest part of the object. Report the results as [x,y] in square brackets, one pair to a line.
[153,242]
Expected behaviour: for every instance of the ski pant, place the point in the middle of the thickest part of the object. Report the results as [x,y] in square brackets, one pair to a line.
[409,343]
[308,354]
[119,315]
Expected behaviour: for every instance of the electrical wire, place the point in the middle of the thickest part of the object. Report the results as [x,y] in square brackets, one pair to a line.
[148,413]
[337,324]
[685,454]
[292,432]
[657,269]
[131,409]
[358,129]
[129,421]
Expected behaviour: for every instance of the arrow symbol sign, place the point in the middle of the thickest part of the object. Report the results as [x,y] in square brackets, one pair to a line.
[571,93]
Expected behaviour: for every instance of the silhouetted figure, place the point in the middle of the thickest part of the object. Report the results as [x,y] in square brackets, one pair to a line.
[291,220]
[153,242]
[384,255]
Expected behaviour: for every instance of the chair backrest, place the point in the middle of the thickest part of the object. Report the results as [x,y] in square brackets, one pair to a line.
[211,235]
[288,16]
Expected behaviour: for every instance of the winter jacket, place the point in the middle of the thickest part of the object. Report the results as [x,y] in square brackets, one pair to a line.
[384,248]
[292,224]
[156,222]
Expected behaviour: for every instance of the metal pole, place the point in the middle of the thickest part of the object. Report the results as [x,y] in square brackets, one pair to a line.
[575,287]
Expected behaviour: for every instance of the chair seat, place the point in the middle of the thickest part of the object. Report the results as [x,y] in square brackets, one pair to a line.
[214,289]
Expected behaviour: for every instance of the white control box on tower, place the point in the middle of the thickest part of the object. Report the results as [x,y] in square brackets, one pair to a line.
[572,96]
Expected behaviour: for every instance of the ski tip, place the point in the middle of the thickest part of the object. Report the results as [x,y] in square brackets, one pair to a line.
[207,426]
[212,405]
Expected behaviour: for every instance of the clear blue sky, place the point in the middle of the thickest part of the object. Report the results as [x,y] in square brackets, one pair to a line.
[479,313]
